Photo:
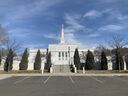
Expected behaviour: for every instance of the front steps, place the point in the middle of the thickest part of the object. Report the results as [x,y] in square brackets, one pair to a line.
[61,69]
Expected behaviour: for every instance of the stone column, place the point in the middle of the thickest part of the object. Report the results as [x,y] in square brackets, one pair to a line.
[42,66]
[75,69]
[83,70]
[109,65]
[124,63]
[51,70]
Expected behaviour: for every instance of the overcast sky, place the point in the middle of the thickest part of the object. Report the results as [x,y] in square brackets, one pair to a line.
[87,23]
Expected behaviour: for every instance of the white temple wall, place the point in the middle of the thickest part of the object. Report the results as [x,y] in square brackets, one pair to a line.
[60,53]
[32,55]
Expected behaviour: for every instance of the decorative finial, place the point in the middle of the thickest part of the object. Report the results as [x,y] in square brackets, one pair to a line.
[62,41]
[62,26]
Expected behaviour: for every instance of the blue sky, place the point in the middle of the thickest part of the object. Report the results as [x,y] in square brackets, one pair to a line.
[87,23]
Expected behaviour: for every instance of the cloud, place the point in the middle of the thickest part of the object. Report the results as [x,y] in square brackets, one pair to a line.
[33,45]
[94,35]
[107,1]
[122,17]
[19,11]
[71,39]
[52,36]
[73,23]
[21,32]
[74,29]
[114,14]
[3,34]
[74,26]
[92,14]
[111,28]
[18,16]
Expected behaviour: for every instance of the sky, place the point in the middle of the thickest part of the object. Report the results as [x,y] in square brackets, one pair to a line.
[87,23]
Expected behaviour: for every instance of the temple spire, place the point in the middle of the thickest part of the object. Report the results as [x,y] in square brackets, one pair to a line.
[62,41]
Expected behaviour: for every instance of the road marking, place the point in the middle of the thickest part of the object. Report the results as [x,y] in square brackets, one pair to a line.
[42,79]
[47,80]
[71,79]
[96,79]
[21,80]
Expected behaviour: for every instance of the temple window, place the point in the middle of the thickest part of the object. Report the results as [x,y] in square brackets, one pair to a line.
[62,55]
[66,55]
[59,56]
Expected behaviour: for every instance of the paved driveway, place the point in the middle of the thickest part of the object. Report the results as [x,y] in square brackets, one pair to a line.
[64,86]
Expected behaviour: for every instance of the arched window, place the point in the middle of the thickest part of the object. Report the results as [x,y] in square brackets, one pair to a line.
[62,55]
[66,55]
[59,55]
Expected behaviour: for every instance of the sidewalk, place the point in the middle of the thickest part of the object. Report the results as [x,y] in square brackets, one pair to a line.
[4,76]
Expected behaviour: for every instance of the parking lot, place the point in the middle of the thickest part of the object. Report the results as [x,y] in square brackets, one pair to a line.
[64,86]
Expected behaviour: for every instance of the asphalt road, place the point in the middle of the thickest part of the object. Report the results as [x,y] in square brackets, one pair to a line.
[64,86]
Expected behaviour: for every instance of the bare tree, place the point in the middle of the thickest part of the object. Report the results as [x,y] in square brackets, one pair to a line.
[117,41]
[12,44]
[7,42]
[101,48]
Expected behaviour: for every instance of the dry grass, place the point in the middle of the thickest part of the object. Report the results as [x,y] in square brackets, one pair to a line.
[20,71]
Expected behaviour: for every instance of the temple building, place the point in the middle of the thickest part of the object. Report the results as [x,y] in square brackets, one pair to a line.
[61,54]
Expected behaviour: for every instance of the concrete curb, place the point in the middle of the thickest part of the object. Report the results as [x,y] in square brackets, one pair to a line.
[60,74]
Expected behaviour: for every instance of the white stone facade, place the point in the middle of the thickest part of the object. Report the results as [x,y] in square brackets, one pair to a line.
[61,54]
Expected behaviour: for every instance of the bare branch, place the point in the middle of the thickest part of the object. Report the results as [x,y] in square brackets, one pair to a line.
[100,48]
[117,41]
[12,44]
